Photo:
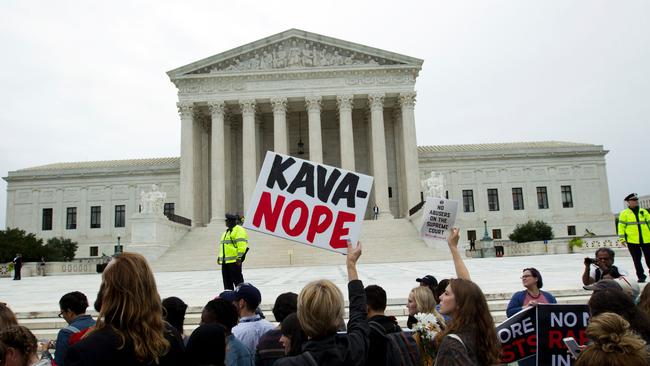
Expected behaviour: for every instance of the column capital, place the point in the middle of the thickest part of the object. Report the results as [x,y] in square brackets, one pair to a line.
[313,103]
[407,100]
[376,101]
[217,107]
[248,106]
[279,104]
[185,109]
[345,102]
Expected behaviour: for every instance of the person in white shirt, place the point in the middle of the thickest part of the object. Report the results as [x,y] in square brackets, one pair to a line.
[251,325]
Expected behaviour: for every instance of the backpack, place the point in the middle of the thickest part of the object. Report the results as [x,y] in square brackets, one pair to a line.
[401,348]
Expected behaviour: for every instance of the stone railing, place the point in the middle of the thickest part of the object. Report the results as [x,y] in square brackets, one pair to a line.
[77,266]
[557,246]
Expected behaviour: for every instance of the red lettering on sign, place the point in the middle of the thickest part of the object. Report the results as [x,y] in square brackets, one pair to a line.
[339,230]
[316,226]
[300,225]
[271,214]
[316,220]
[555,339]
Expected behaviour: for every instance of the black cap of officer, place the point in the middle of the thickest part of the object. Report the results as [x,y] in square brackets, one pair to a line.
[230,216]
[631,197]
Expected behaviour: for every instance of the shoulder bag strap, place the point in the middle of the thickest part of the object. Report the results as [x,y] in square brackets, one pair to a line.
[456,337]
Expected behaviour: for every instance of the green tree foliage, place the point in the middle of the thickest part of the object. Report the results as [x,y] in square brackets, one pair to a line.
[531,231]
[61,249]
[13,241]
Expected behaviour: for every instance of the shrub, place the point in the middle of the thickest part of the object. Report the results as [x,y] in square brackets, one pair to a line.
[531,231]
[61,249]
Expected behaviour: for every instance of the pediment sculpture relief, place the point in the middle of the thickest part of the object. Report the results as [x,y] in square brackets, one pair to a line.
[294,54]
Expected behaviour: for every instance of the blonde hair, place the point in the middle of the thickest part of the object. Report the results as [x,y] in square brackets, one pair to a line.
[425,302]
[320,308]
[131,307]
[614,343]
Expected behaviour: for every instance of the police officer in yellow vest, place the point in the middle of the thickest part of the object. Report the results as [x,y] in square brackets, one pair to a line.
[232,252]
[634,231]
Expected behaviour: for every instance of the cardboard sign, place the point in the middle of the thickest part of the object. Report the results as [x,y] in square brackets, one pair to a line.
[518,336]
[438,218]
[310,203]
[555,322]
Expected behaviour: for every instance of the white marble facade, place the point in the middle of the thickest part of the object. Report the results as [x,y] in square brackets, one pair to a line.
[70,190]
[351,106]
[508,167]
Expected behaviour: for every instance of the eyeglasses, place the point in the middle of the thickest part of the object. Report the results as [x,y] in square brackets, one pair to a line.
[61,314]
[525,276]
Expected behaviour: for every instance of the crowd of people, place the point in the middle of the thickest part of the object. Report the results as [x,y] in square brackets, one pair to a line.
[450,322]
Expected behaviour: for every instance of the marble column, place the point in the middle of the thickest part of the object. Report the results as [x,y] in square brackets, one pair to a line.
[229,172]
[197,145]
[345,105]
[313,105]
[218,161]
[379,161]
[186,204]
[280,145]
[410,149]
[249,160]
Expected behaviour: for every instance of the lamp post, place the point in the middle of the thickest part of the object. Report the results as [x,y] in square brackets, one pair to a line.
[119,246]
[486,237]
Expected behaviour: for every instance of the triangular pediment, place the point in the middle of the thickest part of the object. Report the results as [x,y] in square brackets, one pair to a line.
[295,50]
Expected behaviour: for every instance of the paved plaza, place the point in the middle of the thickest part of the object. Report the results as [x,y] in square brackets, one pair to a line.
[494,275]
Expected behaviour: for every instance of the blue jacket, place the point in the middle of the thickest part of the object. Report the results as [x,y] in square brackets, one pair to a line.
[517,301]
[78,324]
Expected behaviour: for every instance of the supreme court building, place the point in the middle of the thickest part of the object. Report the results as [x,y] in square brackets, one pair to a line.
[321,99]
[297,93]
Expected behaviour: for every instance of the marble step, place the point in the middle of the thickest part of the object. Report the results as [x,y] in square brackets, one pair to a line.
[395,240]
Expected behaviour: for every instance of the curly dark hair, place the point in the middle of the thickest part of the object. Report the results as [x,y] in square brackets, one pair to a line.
[20,338]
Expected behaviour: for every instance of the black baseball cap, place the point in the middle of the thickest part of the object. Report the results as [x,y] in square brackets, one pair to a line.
[428,280]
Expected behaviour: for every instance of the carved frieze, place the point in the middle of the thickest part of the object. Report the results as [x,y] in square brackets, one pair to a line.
[294,53]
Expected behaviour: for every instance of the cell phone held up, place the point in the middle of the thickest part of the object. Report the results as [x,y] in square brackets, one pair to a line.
[573,346]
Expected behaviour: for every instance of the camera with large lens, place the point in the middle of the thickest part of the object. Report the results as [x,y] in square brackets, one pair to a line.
[591,260]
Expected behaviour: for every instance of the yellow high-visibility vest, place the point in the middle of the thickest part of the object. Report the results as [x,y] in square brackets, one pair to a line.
[629,226]
[233,245]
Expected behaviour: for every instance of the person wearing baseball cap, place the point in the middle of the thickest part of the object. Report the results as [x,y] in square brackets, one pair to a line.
[430,282]
[634,232]
[251,325]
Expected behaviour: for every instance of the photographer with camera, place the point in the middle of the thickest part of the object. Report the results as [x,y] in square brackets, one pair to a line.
[601,267]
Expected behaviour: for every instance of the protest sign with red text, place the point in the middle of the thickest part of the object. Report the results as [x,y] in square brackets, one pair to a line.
[311,203]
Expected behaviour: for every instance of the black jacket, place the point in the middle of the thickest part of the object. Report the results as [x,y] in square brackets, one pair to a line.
[377,349]
[100,349]
[341,349]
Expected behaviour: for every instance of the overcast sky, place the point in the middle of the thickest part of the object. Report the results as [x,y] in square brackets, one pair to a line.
[85,80]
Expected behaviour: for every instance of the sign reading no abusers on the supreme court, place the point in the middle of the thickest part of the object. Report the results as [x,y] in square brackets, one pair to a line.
[438,218]
[311,203]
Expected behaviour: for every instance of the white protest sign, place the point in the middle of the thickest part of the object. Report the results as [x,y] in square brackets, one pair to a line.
[310,203]
[438,218]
